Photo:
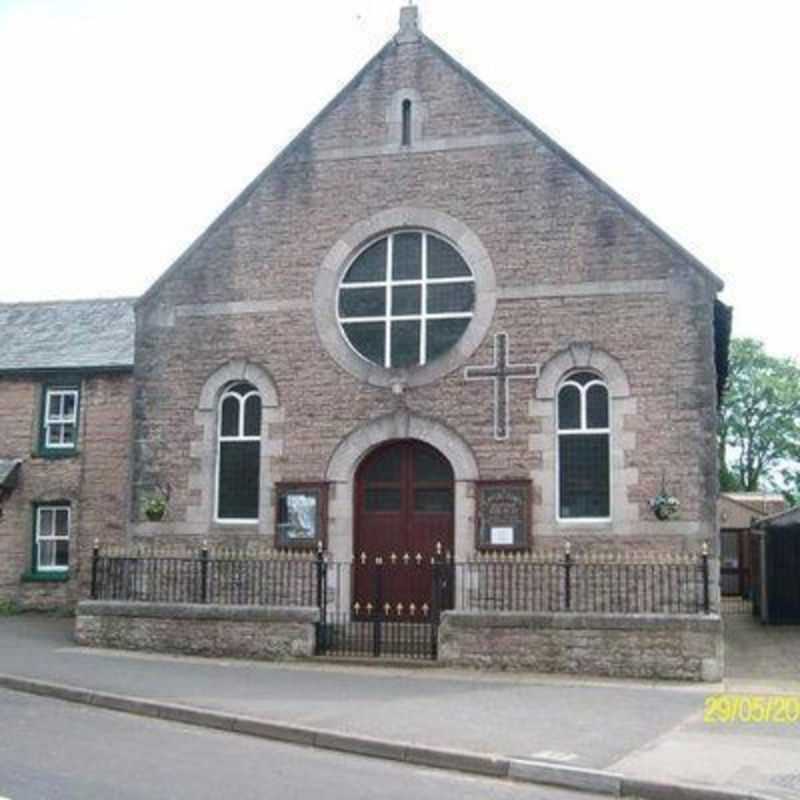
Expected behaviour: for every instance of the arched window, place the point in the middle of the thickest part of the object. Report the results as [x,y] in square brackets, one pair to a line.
[238,453]
[406,140]
[584,431]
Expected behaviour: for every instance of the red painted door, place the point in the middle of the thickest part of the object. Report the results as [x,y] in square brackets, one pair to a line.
[404,507]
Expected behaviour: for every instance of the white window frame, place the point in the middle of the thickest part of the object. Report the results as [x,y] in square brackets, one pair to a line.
[239,437]
[583,430]
[61,420]
[390,283]
[55,508]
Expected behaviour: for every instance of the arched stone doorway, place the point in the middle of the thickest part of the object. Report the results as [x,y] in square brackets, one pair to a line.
[404,504]
[350,453]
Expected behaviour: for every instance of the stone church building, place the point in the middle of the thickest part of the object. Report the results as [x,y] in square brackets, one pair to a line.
[421,301]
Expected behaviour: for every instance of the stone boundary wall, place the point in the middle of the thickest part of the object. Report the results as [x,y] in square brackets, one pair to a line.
[679,647]
[268,633]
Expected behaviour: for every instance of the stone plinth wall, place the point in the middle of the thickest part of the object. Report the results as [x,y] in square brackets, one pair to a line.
[46,596]
[270,633]
[685,647]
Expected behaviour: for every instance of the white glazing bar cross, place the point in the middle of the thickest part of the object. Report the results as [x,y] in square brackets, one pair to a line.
[423,309]
[387,356]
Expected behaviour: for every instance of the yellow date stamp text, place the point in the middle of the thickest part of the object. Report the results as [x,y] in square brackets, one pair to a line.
[776,709]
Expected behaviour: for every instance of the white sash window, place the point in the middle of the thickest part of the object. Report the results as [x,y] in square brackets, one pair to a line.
[60,419]
[52,538]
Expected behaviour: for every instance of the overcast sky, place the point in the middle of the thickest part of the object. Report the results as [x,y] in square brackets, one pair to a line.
[127,126]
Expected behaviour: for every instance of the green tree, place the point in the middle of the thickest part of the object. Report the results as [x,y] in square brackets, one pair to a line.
[759,431]
[790,485]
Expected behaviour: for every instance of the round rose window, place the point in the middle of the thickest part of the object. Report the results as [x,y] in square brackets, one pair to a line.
[406,299]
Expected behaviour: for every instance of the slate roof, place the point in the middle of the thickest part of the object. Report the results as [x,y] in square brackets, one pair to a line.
[77,334]
[8,472]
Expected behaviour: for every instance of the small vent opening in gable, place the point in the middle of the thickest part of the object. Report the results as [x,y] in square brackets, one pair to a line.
[407,111]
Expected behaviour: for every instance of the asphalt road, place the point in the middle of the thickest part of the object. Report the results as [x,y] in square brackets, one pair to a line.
[51,750]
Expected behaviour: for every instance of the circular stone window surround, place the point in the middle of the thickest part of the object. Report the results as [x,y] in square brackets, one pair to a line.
[338,261]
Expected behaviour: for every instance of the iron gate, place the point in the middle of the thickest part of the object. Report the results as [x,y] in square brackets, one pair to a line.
[383,606]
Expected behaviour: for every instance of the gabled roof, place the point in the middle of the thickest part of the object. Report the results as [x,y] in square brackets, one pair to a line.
[535,132]
[755,500]
[738,512]
[77,334]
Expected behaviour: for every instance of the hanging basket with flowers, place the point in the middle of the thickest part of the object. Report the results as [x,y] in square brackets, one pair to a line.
[664,505]
[155,505]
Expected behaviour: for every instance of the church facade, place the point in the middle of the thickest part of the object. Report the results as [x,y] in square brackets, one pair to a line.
[421,300]
[425,330]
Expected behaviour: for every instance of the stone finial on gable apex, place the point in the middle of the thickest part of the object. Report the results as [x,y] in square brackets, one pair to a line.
[409,24]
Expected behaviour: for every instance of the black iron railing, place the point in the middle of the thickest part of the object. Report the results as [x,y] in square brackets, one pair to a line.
[410,589]
[219,577]
[612,584]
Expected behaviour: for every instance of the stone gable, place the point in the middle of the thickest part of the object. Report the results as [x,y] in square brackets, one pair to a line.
[470,145]
[574,270]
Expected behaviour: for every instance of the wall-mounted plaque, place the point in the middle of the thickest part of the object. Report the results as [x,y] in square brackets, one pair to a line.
[301,514]
[503,518]
[502,535]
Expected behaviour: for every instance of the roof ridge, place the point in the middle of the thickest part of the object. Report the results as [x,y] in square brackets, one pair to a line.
[16,304]
[752,494]
[775,517]
[744,504]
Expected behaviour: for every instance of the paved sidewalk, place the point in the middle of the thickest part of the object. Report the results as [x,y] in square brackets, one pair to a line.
[650,731]
[761,655]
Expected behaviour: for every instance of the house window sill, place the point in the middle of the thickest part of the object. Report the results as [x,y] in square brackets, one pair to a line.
[55,455]
[45,577]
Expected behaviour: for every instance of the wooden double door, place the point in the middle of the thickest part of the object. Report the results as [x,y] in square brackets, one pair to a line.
[404,511]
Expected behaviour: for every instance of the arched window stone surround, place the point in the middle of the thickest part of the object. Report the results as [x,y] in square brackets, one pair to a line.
[338,260]
[202,483]
[394,117]
[624,512]
[351,451]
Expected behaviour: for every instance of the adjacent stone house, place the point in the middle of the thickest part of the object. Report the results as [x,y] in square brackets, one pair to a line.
[65,417]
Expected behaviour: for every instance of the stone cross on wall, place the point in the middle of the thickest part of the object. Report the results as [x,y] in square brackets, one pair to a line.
[501,372]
